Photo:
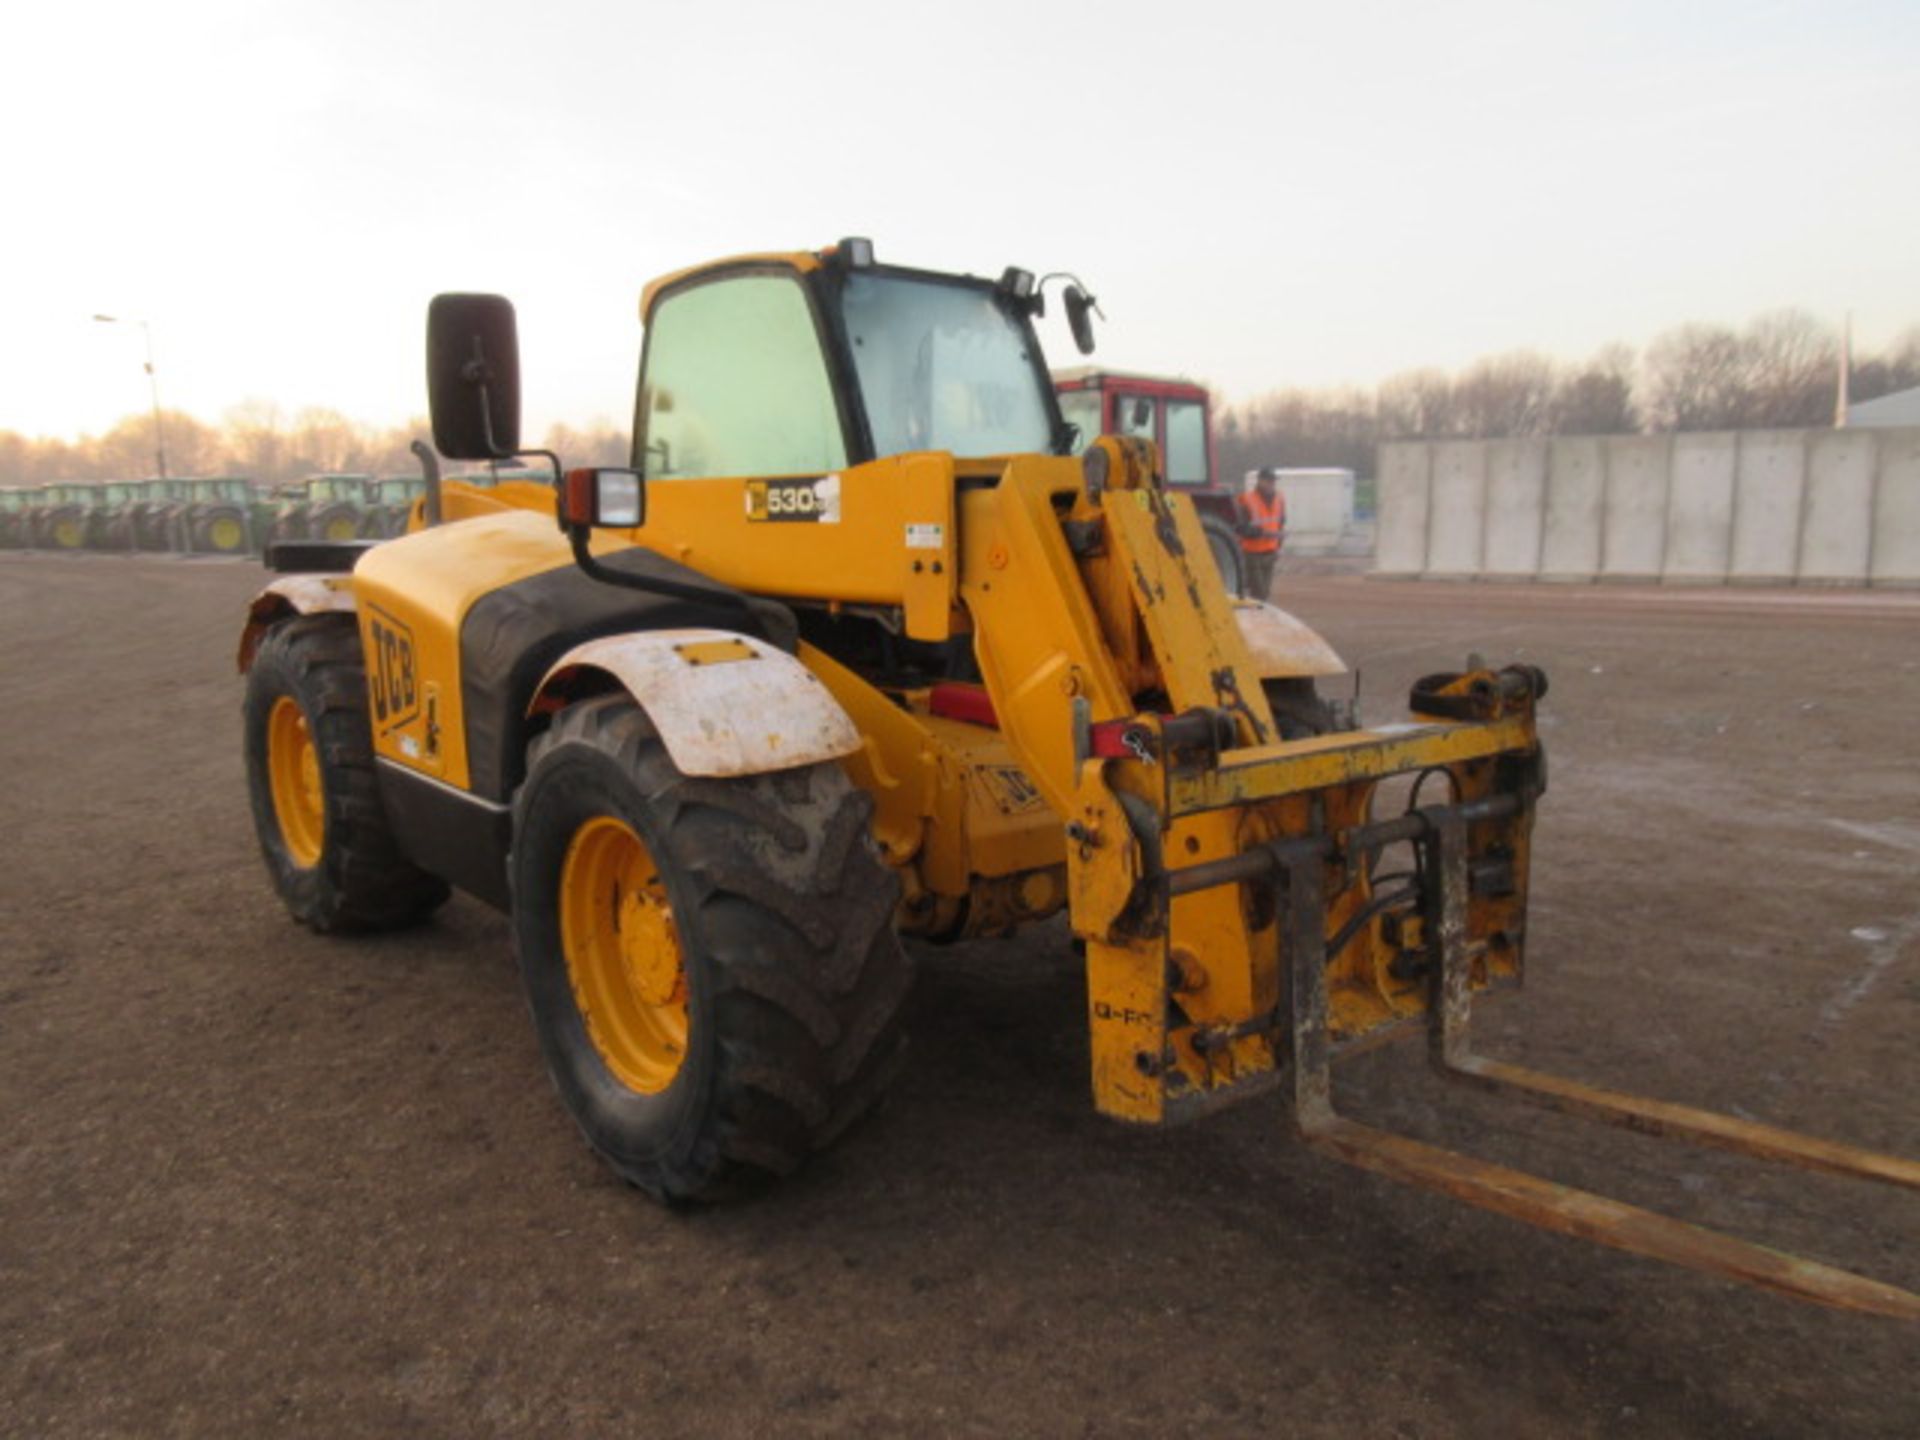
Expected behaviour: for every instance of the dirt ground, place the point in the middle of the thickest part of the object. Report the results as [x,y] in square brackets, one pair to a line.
[258,1182]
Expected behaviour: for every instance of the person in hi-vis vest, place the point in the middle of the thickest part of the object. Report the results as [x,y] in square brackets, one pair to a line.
[1262,513]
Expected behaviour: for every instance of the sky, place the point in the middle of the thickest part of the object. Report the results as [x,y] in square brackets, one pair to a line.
[1261,195]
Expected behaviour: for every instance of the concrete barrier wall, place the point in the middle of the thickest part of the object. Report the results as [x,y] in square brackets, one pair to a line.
[1576,499]
[1633,532]
[1896,510]
[1457,513]
[1836,524]
[1813,507]
[1516,508]
[1770,477]
[1400,510]
[1699,543]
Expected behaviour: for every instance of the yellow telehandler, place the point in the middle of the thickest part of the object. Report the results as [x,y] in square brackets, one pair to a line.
[858,648]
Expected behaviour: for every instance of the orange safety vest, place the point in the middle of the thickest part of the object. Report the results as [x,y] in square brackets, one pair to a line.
[1269,521]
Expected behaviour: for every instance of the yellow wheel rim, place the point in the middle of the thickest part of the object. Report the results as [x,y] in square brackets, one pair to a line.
[225,533]
[623,955]
[341,528]
[66,534]
[293,772]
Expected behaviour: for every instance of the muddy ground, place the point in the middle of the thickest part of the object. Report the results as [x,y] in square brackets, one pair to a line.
[258,1182]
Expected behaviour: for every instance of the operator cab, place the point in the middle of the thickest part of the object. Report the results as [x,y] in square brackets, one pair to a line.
[806,364]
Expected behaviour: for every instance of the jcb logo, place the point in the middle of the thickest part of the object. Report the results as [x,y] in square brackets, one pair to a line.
[390,671]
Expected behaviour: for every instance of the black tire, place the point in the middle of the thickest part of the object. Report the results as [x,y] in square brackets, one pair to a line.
[1224,546]
[150,528]
[205,541]
[343,518]
[361,881]
[794,978]
[1301,711]
[66,529]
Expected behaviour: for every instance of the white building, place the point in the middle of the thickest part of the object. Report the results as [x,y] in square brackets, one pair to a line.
[1319,507]
[1900,408]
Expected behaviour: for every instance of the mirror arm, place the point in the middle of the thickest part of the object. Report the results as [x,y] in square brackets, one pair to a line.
[430,472]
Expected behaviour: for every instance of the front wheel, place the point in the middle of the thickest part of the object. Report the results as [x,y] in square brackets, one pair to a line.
[1302,712]
[711,963]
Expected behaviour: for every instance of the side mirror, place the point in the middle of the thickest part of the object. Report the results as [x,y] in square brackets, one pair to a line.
[1079,304]
[604,497]
[1142,414]
[473,376]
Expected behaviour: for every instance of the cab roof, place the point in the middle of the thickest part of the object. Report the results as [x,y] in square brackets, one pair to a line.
[801,261]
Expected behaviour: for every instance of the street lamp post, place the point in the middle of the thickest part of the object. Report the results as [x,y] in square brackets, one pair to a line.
[153,386]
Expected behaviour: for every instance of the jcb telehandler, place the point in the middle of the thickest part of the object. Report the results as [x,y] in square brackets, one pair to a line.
[858,649]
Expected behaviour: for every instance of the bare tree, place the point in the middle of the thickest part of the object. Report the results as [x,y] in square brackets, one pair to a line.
[1415,405]
[1792,361]
[1897,369]
[16,459]
[1779,371]
[1506,395]
[325,441]
[1596,398]
[257,441]
[598,444]
[1693,379]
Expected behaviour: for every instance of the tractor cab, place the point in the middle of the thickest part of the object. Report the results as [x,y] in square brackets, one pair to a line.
[1175,415]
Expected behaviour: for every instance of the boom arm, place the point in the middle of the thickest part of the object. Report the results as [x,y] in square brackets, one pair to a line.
[1240,931]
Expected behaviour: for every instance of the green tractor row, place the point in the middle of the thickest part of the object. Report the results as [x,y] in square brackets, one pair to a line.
[54,517]
[226,516]
[208,516]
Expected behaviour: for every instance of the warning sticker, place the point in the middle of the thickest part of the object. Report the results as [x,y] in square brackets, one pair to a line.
[814,500]
[1009,788]
[926,537]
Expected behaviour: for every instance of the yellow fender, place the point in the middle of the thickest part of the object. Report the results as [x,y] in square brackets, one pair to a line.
[292,595]
[723,704]
[1283,646]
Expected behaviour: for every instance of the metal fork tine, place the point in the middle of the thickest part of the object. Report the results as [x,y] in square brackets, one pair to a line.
[1606,1222]
[1513,1193]
[1452,1052]
[1682,1122]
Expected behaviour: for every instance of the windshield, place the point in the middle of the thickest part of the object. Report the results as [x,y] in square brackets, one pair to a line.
[944,367]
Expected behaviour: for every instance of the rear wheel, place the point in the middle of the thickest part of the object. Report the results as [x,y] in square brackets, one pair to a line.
[310,775]
[341,522]
[1224,546]
[222,533]
[711,963]
[67,530]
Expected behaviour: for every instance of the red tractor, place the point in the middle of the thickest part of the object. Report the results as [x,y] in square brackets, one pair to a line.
[1173,414]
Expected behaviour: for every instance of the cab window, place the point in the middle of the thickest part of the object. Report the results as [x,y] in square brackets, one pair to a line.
[1133,415]
[1081,408]
[1186,457]
[736,384]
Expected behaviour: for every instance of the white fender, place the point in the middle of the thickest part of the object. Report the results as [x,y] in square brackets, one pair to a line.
[724,704]
[1282,645]
[292,595]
